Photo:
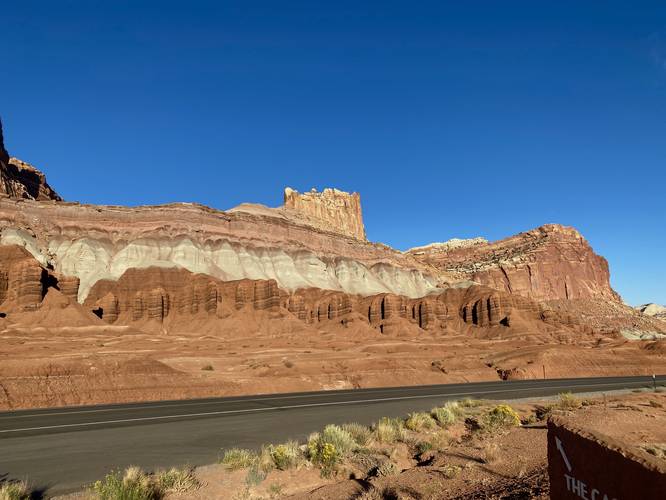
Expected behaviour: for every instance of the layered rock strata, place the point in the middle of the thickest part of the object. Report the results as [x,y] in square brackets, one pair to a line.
[102,242]
[330,209]
[177,299]
[546,263]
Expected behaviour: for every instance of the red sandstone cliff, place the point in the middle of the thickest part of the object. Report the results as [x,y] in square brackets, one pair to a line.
[546,263]
[331,209]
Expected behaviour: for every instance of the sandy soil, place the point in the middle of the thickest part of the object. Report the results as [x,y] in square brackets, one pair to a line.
[72,366]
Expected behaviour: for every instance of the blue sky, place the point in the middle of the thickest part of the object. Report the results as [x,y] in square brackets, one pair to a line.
[452,119]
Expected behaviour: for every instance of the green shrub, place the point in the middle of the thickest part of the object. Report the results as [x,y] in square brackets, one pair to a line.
[567,401]
[423,446]
[341,439]
[238,458]
[285,456]
[501,416]
[360,433]
[322,453]
[389,430]
[419,421]
[133,485]
[176,480]
[15,490]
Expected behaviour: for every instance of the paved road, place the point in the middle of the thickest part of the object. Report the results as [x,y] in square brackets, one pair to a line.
[60,450]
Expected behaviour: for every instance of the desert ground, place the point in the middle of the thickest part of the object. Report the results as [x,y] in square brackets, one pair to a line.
[42,367]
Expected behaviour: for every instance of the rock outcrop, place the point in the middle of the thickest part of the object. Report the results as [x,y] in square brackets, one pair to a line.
[21,180]
[653,310]
[174,299]
[315,241]
[102,242]
[24,282]
[331,210]
[546,263]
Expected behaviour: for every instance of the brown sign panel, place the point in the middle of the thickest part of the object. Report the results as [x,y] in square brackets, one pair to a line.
[590,466]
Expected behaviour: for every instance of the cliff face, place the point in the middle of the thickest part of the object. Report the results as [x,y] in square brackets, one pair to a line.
[316,240]
[331,209]
[21,180]
[546,263]
[94,243]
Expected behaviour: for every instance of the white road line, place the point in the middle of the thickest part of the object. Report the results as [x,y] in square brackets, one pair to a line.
[285,407]
[181,404]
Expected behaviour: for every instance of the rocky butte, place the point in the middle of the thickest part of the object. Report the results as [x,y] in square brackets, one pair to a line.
[187,279]
[330,208]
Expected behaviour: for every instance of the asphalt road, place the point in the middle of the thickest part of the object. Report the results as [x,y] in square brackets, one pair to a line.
[60,450]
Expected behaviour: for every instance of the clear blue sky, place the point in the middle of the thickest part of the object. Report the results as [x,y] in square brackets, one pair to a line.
[452,119]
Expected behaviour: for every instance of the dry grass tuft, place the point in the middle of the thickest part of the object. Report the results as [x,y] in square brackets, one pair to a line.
[451,471]
[238,458]
[419,421]
[362,434]
[389,430]
[490,453]
[14,490]
[568,402]
[176,480]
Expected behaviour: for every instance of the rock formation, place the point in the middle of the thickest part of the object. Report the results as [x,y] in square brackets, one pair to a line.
[21,180]
[653,310]
[316,241]
[546,263]
[331,210]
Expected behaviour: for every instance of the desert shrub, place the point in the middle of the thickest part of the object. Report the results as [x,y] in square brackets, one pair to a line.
[176,480]
[238,458]
[265,461]
[444,415]
[567,401]
[530,419]
[15,490]
[419,421]
[361,434]
[327,448]
[285,456]
[275,490]
[470,403]
[440,440]
[389,430]
[451,471]
[342,440]
[490,453]
[386,468]
[133,485]
[423,446]
[254,476]
[323,454]
[500,417]
[208,368]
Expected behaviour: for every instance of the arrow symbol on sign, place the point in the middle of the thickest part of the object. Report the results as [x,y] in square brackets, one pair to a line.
[558,443]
